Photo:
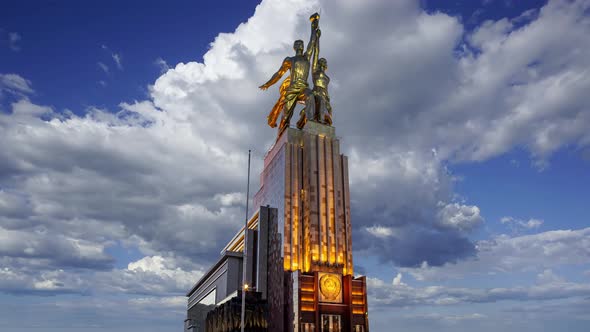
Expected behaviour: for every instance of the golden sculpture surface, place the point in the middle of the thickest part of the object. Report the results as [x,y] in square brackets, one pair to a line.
[319,109]
[295,89]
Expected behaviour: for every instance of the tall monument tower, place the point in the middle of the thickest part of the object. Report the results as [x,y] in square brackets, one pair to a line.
[306,178]
[291,264]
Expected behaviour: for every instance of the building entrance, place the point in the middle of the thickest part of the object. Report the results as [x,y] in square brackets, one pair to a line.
[331,323]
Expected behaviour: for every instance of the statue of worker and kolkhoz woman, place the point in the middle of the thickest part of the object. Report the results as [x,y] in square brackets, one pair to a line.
[295,88]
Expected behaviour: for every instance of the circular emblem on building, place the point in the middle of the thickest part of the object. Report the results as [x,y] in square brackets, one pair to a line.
[330,287]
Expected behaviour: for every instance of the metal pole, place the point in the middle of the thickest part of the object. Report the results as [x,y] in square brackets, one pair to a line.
[245,254]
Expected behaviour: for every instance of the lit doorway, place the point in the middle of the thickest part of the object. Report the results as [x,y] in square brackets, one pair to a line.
[331,323]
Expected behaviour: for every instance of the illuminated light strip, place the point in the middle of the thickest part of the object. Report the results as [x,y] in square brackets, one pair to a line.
[294,211]
[331,210]
[238,239]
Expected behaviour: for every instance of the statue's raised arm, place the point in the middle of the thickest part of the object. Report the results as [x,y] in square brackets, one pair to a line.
[316,52]
[315,21]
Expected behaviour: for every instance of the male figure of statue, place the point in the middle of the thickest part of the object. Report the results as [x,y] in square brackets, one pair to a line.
[294,88]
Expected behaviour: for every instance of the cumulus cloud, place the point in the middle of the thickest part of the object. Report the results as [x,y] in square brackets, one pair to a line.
[411,90]
[505,254]
[380,231]
[448,319]
[461,217]
[57,249]
[31,276]
[15,84]
[397,281]
[384,294]
[517,225]
[548,276]
[398,196]
[151,275]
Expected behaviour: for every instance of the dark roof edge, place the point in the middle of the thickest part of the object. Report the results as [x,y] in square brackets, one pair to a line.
[213,268]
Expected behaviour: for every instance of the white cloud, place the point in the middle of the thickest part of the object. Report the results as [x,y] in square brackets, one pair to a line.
[187,144]
[230,199]
[16,278]
[548,276]
[175,302]
[517,225]
[505,254]
[13,41]
[162,174]
[15,84]
[461,217]
[162,64]
[448,319]
[533,223]
[104,67]
[118,61]
[117,58]
[383,294]
[380,231]
[397,281]
[154,275]
[57,249]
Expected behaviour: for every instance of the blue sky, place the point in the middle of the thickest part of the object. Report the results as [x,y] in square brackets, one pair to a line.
[125,126]
[60,37]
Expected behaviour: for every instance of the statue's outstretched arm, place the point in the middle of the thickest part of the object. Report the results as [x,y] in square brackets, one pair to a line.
[277,76]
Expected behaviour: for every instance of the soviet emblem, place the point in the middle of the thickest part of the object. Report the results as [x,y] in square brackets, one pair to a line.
[330,287]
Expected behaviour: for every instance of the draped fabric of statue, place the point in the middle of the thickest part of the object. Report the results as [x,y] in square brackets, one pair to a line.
[280,104]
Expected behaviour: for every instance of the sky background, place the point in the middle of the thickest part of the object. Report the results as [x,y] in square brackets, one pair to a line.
[125,128]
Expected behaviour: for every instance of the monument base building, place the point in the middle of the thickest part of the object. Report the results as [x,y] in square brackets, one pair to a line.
[298,246]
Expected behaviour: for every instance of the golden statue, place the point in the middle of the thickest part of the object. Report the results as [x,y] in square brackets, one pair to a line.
[294,88]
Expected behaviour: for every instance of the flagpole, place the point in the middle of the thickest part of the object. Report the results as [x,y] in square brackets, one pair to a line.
[245,254]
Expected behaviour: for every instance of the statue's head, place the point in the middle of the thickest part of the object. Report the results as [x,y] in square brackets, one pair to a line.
[298,46]
[323,63]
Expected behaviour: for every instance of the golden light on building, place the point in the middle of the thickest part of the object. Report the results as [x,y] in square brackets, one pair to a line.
[305,183]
